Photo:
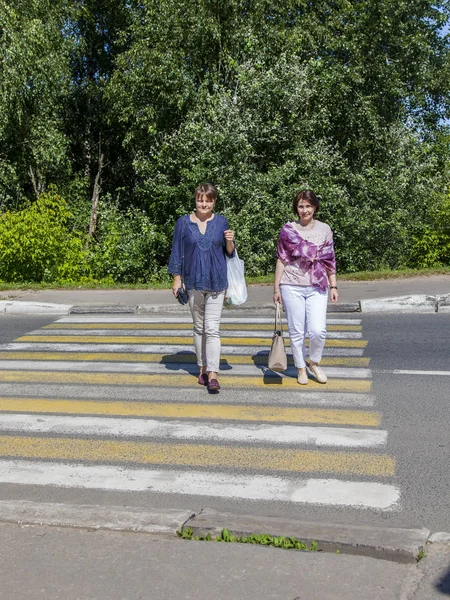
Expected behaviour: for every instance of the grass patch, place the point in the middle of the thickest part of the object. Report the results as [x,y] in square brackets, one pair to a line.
[83,286]
[401,274]
[369,275]
[263,539]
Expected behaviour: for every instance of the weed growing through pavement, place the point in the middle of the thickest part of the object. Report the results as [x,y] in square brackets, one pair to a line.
[421,554]
[263,539]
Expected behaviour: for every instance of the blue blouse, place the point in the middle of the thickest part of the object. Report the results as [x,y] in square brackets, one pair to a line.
[204,266]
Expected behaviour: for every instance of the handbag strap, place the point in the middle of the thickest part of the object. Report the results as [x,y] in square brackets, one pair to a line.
[182,247]
[278,321]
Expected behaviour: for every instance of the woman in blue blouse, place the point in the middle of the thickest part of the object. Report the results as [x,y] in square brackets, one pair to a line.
[201,241]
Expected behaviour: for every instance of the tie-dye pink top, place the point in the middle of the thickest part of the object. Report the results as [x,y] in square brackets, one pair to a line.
[309,255]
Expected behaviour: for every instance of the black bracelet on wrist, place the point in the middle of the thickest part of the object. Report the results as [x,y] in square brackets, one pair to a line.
[333,287]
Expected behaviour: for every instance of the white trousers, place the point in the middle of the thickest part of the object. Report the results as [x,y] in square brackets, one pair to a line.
[306,309]
[206,310]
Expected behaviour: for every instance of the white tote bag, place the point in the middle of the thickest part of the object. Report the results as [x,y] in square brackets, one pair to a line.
[237,289]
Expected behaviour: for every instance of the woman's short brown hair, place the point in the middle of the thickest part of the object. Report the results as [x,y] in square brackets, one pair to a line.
[307,195]
[206,189]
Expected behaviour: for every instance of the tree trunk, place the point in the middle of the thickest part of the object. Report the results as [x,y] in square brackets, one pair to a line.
[95,198]
[37,185]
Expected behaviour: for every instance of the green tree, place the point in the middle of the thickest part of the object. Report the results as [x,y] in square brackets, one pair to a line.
[345,97]
[348,97]
[97,30]
[34,87]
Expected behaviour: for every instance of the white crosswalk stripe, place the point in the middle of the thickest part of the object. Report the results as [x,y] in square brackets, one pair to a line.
[235,320]
[248,433]
[155,348]
[253,487]
[246,397]
[119,367]
[338,335]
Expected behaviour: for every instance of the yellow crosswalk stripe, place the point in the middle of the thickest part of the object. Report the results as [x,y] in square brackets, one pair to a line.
[232,359]
[198,455]
[176,380]
[128,339]
[227,412]
[184,326]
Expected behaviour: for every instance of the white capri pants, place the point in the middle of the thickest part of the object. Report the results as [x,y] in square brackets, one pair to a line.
[306,310]
[206,310]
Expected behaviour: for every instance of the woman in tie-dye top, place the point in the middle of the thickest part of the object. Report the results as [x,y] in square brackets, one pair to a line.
[306,269]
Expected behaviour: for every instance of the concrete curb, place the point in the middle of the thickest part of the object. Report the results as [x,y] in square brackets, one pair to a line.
[87,516]
[416,303]
[103,309]
[444,303]
[440,537]
[394,544]
[24,306]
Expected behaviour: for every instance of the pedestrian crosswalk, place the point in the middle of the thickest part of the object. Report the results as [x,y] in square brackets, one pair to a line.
[111,402]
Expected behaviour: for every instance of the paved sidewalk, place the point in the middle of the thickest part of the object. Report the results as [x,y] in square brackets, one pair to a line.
[73,564]
[77,563]
[417,293]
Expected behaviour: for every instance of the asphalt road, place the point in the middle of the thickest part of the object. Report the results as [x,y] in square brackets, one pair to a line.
[12,326]
[414,409]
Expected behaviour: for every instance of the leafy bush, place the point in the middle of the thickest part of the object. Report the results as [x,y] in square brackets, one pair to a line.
[127,248]
[431,247]
[36,244]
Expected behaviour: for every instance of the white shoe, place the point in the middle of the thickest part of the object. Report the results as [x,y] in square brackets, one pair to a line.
[302,377]
[318,373]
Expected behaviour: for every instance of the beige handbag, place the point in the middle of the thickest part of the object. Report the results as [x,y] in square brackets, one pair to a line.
[277,355]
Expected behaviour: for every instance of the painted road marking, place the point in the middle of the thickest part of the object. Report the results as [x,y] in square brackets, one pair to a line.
[403,372]
[177,410]
[189,395]
[329,492]
[186,319]
[188,357]
[198,455]
[191,430]
[177,380]
[182,326]
[160,348]
[229,430]
[128,339]
[161,368]
[240,335]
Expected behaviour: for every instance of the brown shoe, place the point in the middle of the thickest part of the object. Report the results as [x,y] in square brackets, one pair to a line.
[203,379]
[213,385]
